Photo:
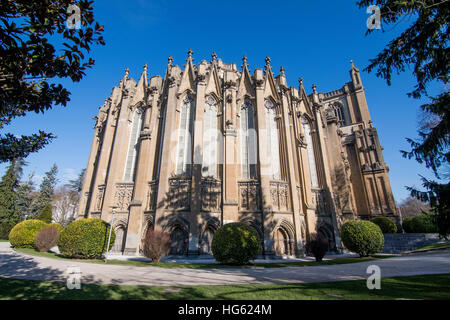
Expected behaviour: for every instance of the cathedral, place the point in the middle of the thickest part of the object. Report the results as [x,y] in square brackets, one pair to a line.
[211,143]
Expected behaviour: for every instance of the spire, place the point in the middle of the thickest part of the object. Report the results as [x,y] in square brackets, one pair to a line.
[244,62]
[282,71]
[169,60]
[300,82]
[214,56]
[141,88]
[190,52]
[268,67]
[315,95]
[122,82]
[354,74]
[145,70]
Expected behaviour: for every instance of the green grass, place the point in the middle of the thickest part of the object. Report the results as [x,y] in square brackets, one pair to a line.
[204,265]
[2,240]
[435,246]
[412,287]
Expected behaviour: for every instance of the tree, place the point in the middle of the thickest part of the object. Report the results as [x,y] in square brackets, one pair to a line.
[25,196]
[46,190]
[46,214]
[65,205]
[424,47]
[38,46]
[411,207]
[8,211]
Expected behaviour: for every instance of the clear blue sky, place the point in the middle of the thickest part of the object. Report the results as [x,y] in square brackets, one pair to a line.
[310,39]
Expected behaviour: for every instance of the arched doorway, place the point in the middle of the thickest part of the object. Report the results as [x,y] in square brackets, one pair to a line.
[120,240]
[205,245]
[325,232]
[282,243]
[179,239]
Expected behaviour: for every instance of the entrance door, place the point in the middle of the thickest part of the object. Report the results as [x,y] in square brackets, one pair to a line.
[179,243]
[118,243]
[281,242]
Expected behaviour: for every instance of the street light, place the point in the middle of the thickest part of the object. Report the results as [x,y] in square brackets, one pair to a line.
[110,231]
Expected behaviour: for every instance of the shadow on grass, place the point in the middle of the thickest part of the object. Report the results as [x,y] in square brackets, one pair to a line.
[413,287]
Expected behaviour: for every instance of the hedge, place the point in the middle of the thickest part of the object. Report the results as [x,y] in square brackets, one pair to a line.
[24,233]
[386,225]
[85,239]
[420,224]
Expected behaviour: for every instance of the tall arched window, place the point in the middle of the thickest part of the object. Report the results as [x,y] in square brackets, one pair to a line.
[248,141]
[184,151]
[339,113]
[272,139]
[310,152]
[210,139]
[133,145]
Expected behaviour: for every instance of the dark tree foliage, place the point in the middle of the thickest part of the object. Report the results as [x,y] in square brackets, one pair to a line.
[46,214]
[46,190]
[36,49]
[8,212]
[423,46]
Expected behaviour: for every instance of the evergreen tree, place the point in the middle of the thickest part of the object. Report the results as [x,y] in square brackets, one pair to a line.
[46,214]
[77,184]
[46,190]
[8,212]
[25,197]
[423,47]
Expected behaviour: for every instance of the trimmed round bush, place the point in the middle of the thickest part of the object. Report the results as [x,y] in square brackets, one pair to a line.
[420,224]
[24,233]
[386,225]
[363,237]
[235,243]
[85,238]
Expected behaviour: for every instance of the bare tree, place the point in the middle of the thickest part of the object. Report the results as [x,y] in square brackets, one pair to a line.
[65,204]
[411,207]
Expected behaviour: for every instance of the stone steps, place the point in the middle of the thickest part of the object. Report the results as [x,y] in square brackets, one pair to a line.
[401,242]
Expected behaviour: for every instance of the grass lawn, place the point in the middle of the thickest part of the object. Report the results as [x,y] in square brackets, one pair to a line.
[436,245]
[428,287]
[2,240]
[205,265]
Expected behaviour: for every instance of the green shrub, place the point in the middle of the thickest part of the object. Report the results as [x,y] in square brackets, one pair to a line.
[362,237]
[24,233]
[386,225]
[235,243]
[46,214]
[420,224]
[85,239]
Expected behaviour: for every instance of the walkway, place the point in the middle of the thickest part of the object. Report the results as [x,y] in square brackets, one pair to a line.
[20,266]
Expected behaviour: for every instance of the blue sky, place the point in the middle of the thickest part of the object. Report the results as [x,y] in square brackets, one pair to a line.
[314,40]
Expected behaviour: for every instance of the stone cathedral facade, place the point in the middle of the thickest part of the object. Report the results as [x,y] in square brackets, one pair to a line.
[212,143]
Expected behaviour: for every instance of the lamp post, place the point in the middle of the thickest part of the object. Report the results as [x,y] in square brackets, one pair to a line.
[110,231]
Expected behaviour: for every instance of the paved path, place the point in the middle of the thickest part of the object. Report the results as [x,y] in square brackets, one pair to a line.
[20,266]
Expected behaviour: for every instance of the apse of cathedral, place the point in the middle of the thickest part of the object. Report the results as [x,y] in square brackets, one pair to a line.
[211,143]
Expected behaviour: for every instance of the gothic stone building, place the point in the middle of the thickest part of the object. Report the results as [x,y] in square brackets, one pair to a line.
[212,144]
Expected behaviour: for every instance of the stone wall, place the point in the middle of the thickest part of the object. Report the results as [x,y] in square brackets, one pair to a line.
[401,242]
